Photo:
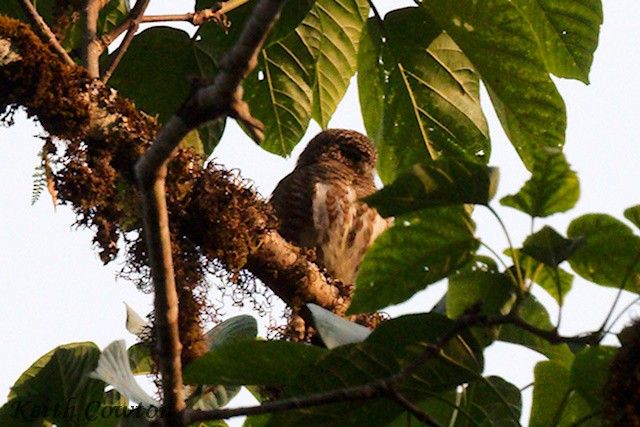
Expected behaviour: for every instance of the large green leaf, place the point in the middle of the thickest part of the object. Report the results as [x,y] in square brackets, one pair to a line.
[552,188]
[567,32]
[590,372]
[610,255]
[420,249]
[503,48]
[341,23]
[57,388]
[160,61]
[536,315]
[491,401]
[280,89]
[494,292]
[211,132]
[251,362]
[449,181]
[156,64]
[554,400]
[234,329]
[419,93]
[442,408]
[550,247]
[392,346]
[221,39]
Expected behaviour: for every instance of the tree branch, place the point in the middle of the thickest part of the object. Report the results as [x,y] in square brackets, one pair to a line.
[43,30]
[135,17]
[206,104]
[91,47]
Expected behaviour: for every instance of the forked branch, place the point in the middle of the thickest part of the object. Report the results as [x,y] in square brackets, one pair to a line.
[222,97]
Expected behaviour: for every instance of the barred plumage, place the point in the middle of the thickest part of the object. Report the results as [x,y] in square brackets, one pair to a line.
[317,204]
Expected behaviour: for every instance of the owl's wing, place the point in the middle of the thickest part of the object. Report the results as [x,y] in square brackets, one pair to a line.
[292,201]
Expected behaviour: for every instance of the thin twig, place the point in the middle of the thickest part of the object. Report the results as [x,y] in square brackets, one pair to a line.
[623,285]
[362,392]
[43,30]
[622,312]
[135,17]
[196,18]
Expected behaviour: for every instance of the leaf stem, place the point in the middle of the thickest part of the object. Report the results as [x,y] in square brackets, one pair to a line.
[620,289]
[516,255]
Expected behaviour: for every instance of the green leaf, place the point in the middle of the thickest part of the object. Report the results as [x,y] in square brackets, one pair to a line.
[442,408]
[590,372]
[556,281]
[211,132]
[567,32]
[554,402]
[140,359]
[419,93]
[156,64]
[492,401]
[238,328]
[550,247]
[552,188]
[439,183]
[494,291]
[418,250]
[252,362]
[392,346]
[504,50]
[336,330]
[59,379]
[12,9]
[536,315]
[280,89]
[220,40]
[341,23]
[610,255]
[633,215]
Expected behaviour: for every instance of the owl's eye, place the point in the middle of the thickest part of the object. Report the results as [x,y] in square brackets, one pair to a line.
[352,153]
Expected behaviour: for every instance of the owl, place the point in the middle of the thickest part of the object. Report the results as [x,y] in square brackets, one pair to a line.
[317,204]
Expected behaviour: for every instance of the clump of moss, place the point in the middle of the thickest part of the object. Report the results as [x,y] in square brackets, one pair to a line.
[43,84]
[622,390]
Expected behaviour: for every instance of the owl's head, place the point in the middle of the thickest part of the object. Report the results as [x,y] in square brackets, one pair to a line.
[348,147]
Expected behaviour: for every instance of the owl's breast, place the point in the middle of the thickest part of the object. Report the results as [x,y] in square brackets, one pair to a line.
[345,228]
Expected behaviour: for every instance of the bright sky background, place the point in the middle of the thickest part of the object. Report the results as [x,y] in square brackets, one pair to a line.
[55,290]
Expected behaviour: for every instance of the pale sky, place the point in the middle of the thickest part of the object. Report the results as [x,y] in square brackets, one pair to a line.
[56,290]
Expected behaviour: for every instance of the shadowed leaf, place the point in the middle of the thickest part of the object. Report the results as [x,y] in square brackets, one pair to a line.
[549,247]
[567,33]
[552,188]
[610,255]
[419,94]
[440,183]
[504,50]
[418,250]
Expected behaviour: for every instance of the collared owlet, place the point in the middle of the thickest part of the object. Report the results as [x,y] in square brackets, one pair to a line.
[317,204]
